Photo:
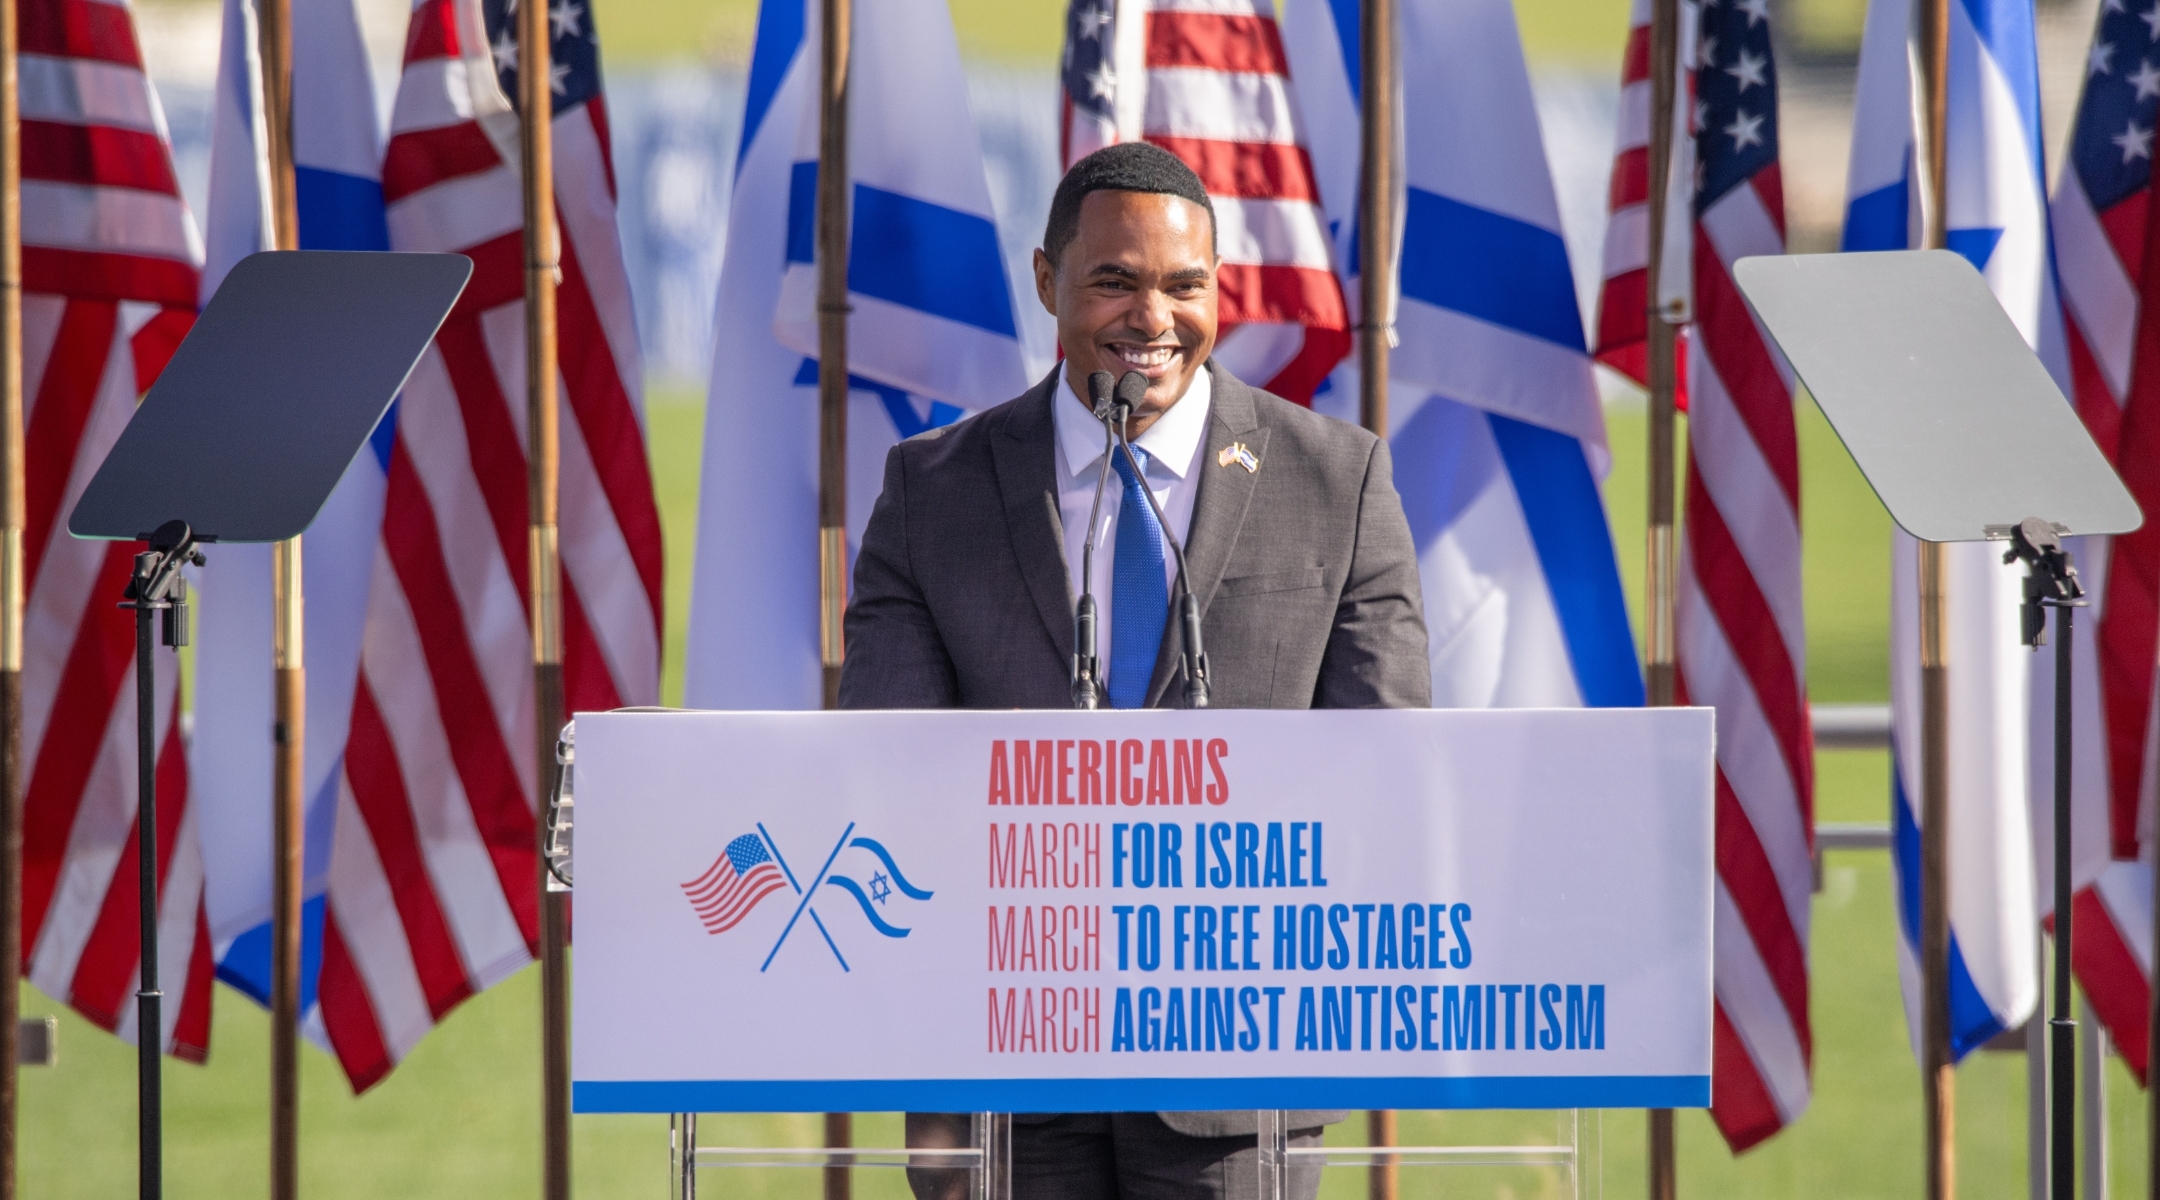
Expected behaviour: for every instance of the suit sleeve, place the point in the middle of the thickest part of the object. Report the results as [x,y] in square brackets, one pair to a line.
[1377,655]
[895,655]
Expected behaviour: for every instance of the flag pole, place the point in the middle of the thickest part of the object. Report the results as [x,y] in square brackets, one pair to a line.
[1662,371]
[2152,1010]
[1376,216]
[537,171]
[1376,287]
[288,663]
[12,512]
[1938,1080]
[837,24]
[832,235]
[2151,268]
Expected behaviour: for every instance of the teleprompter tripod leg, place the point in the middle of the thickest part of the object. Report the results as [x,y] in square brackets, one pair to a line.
[149,1017]
[2062,1029]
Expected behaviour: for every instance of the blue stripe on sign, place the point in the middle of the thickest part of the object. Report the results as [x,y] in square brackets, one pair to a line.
[246,965]
[1560,504]
[1495,268]
[1139,1095]
[930,258]
[779,35]
[1881,219]
[339,211]
[1973,1021]
[906,418]
[911,253]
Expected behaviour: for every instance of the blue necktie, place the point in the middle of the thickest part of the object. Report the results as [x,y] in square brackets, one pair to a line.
[1139,598]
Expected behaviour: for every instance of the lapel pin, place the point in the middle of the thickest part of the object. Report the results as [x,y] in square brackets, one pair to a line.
[1236,452]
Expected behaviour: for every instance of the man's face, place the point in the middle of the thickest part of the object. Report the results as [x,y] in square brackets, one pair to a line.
[1135,291]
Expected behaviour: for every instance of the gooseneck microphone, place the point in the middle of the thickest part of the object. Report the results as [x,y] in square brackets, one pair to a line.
[1131,386]
[1087,665]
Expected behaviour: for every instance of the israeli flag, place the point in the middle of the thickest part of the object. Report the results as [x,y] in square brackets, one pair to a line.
[337,148]
[930,338]
[1497,433]
[1997,209]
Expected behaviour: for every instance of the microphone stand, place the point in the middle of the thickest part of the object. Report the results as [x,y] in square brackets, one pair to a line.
[1087,665]
[1195,655]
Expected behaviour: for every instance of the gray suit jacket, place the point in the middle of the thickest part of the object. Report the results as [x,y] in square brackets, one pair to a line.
[1304,569]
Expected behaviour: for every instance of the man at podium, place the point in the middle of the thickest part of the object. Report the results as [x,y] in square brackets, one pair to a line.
[1300,558]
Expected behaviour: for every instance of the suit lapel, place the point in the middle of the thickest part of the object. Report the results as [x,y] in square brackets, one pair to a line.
[1218,510]
[1025,457]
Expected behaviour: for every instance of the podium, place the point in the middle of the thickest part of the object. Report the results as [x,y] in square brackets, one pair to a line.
[1229,911]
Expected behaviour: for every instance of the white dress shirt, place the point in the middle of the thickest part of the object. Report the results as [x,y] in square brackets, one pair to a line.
[1173,445]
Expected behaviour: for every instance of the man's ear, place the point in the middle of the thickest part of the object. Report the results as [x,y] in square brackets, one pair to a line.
[1046,282]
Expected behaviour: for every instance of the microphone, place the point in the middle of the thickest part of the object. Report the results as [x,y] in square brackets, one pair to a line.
[1087,665]
[1130,388]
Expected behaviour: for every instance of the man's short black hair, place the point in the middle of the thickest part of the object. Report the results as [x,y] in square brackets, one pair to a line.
[1125,167]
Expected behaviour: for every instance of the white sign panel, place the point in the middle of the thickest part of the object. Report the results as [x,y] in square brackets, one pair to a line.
[1045,911]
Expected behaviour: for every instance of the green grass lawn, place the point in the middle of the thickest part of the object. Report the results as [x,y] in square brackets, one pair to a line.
[1585,33]
[460,1118]
[1028,32]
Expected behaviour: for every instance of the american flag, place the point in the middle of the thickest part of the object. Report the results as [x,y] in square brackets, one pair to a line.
[1740,635]
[1207,80]
[110,268]
[1623,318]
[2102,221]
[743,875]
[433,890]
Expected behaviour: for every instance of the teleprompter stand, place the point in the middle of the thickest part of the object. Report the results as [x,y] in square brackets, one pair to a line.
[1965,437]
[241,439]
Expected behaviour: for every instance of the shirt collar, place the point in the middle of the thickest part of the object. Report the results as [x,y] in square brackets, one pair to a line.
[1172,441]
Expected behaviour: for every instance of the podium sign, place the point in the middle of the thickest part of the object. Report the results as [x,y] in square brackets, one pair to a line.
[1050,911]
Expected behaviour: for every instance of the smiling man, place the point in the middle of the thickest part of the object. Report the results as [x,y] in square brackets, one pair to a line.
[1300,559]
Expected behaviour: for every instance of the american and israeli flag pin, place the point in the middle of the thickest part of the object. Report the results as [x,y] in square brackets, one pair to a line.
[1236,452]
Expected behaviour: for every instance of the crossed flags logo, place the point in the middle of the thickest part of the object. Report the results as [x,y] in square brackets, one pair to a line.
[752,868]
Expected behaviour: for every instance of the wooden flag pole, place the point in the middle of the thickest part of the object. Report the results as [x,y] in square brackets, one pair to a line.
[2146,320]
[1938,1080]
[1376,215]
[1662,369]
[2152,1011]
[837,23]
[1376,289]
[536,110]
[832,258]
[288,665]
[12,512]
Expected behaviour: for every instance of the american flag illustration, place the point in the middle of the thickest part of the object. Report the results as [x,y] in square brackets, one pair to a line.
[1208,81]
[433,892]
[111,263]
[743,875]
[1739,630]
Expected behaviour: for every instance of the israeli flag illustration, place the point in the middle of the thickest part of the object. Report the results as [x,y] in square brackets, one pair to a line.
[1997,209]
[337,151]
[930,338]
[880,885]
[1496,429]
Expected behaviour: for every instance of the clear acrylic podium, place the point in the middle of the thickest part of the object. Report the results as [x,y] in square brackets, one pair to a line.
[1516,1153]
